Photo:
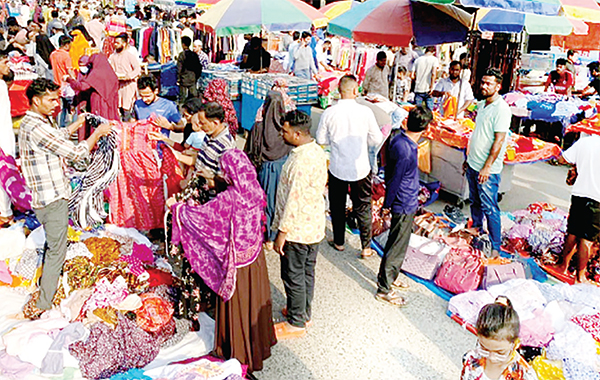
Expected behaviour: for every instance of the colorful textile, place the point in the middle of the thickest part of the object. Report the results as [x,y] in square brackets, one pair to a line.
[590,126]
[136,197]
[107,294]
[474,366]
[13,183]
[171,170]
[225,233]
[218,91]
[154,313]
[104,250]
[590,323]
[107,352]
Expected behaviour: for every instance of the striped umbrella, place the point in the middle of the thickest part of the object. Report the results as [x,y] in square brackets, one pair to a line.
[206,4]
[337,8]
[186,3]
[500,21]
[229,17]
[396,22]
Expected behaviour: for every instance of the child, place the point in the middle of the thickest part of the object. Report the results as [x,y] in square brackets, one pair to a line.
[402,85]
[496,356]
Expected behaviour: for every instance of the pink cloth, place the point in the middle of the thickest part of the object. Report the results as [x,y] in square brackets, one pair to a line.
[225,233]
[538,331]
[137,197]
[13,183]
[590,323]
[107,294]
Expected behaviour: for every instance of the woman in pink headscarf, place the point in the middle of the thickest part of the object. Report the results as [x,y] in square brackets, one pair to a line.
[222,240]
[218,91]
[98,84]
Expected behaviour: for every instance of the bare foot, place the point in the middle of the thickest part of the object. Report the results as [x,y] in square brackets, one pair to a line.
[367,252]
[269,246]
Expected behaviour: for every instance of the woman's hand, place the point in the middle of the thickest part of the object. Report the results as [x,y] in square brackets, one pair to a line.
[156,136]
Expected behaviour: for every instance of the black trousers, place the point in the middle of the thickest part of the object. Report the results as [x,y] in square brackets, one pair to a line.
[394,252]
[360,194]
[298,275]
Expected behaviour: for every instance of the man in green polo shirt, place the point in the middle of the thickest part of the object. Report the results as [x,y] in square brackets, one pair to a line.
[486,155]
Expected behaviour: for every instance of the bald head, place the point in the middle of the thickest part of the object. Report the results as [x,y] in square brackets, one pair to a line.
[348,87]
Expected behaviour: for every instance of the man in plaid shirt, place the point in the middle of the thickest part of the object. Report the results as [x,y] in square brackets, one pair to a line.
[44,149]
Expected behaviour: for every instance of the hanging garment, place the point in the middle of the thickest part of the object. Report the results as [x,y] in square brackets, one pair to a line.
[86,205]
[13,183]
[218,91]
[137,196]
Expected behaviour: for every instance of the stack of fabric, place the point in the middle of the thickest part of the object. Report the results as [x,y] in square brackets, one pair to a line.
[562,319]
[549,107]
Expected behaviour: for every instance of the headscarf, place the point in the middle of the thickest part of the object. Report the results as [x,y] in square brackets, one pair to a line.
[225,233]
[218,91]
[44,48]
[279,85]
[78,47]
[102,78]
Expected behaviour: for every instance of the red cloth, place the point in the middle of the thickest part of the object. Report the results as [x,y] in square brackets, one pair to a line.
[19,104]
[170,168]
[159,277]
[137,196]
[590,323]
[218,91]
[578,42]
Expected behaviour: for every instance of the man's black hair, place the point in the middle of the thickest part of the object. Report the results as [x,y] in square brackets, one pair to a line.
[298,120]
[419,118]
[40,87]
[147,81]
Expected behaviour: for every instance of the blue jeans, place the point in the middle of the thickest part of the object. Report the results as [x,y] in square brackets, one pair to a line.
[304,73]
[484,201]
[268,177]
[64,118]
[424,97]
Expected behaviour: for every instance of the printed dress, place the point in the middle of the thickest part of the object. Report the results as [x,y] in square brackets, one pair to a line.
[474,365]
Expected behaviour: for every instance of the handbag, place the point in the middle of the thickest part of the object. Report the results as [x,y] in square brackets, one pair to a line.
[424,257]
[461,271]
[498,274]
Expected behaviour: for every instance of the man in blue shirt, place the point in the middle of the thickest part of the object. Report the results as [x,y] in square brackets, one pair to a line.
[168,116]
[401,196]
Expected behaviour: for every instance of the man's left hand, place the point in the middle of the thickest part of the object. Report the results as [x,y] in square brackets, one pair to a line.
[279,243]
[484,175]
[162,122]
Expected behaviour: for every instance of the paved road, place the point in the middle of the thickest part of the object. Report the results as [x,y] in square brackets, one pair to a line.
[356,337]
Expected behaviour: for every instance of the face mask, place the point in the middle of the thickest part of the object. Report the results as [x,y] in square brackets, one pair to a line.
[84,70]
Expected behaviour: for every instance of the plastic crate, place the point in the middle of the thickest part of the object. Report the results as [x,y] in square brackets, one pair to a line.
[302,91]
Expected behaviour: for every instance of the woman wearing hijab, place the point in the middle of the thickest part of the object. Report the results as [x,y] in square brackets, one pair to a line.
[98,84]
[218,91]
[266,147]
[78,46]
[222,240]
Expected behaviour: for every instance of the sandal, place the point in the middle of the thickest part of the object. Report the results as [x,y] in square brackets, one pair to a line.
[399,284]
[366,253]
[339,248]
[284,330]
[392,298]
[284,313]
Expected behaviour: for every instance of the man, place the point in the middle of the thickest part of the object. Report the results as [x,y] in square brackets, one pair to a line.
[406,57]
[377,79]
[292,50]
[350,129]
[456,87]
[258,59]
[57,34]
[583,225]
[189,70]
[571,61]
[211,120]
[303,64]
[300,221]
[202,56]
[7,135]
[424,73]
[402,191]
[54,24]
[76,20]
[561,79]
[464,63]
[60,60]
[594,87]
[96,29]
[150,103]
[43,150]
[127,67]
[485,157]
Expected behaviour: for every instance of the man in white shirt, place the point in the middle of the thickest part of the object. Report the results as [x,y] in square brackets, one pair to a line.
[7,136]
[455,86]
[377,79]
[424,73]
[583,225]
[349,129]
[292,50]
[406,57]
[303,65]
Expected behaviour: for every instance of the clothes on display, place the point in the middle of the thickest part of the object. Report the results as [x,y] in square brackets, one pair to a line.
[161,42]
[549,107]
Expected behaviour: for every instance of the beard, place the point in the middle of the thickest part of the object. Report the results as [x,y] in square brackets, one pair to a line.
[454,77]
[119,49]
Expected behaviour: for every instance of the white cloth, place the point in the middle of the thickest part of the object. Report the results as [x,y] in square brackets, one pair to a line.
[12,241]
[423,68]
[466,93]
[349,129]
[585,153]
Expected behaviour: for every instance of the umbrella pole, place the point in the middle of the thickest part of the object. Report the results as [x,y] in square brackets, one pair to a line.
[471,43]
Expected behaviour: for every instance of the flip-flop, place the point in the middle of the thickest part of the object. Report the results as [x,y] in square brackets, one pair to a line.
[400,285]
[392,298]
[283,331]
[364,256]
[284,313]
[335,246]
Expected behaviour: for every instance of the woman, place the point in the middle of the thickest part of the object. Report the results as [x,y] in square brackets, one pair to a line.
[266,148]
[98,84]
[222,239]
[218,91]
[78,46]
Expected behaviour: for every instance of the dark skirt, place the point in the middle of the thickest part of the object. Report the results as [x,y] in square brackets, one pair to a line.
[244,324]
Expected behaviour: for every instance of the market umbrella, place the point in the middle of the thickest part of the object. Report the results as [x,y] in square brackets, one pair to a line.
[337,8]
[186,3]
[542,7]
[586,10]
[500,21]
[396,22]
[229,17]
[206,4]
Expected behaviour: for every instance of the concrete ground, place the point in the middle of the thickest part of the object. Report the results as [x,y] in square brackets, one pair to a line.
[356,337]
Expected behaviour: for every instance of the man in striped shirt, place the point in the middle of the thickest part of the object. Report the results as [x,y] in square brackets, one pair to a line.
[210,119]
[44,150]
